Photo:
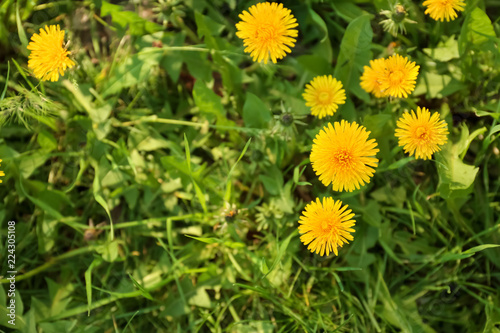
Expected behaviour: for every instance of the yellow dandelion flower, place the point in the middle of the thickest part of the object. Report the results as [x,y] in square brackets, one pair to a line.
[399,77]
[267,31]
[326,227]
[343,156]
[1,173]
[421,134]
[370,80]
[444,9]
[324,94]
[48,58]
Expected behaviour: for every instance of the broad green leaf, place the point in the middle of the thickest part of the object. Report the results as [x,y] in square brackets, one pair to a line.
[109,251]
[198,65]
[200,298]
[40,202]
[371,213]
[129,20]
[314,64]
[59,326]
[434,84]
[207,101]
[354,54]
[46,141]
[207,26]
[4,319]
[273,180]
[324,47]
[173,60]
[46,232]
[255,113]
[482,113]
[60,294]
[444,51]
[377,123]
[455,177]
[28,164]
[347,10]
[475,30]
[134,70]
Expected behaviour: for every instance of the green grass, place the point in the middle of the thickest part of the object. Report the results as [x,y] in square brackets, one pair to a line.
[157,186]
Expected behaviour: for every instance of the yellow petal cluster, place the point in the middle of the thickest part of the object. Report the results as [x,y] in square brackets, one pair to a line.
[421,134]
[395,76]
[326,226]
[267,30]
[48,58]
[323,95]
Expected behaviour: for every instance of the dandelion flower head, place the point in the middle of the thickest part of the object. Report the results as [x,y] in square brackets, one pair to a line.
[342,155]
[267,31]
[370,80]
[421,134]
[1,173]
[323,95]
[444,9]
[399,77]
[326,226]
[48,58]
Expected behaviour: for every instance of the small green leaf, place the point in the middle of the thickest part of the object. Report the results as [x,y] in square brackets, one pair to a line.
[40,202]
[97,190]
[144,292]
[255,113]
[20,29]
[263,266]
[207,101]
[109,251]
[129,20]
[135,69]
[46,141]
[88,281]
[455,177]
[210,240]
[227,196]
[354,54]
[6,82]
[481,248]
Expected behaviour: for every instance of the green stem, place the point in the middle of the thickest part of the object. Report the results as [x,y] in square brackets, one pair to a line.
[155,119]
[52,262]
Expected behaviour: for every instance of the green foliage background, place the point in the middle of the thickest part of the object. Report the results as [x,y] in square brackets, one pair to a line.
[158,185]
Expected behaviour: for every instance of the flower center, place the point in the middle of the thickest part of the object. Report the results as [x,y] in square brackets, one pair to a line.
[396,77]
[422,134]
[328,225]
[266,33]
[343,158]
[325,226]
[324,97]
